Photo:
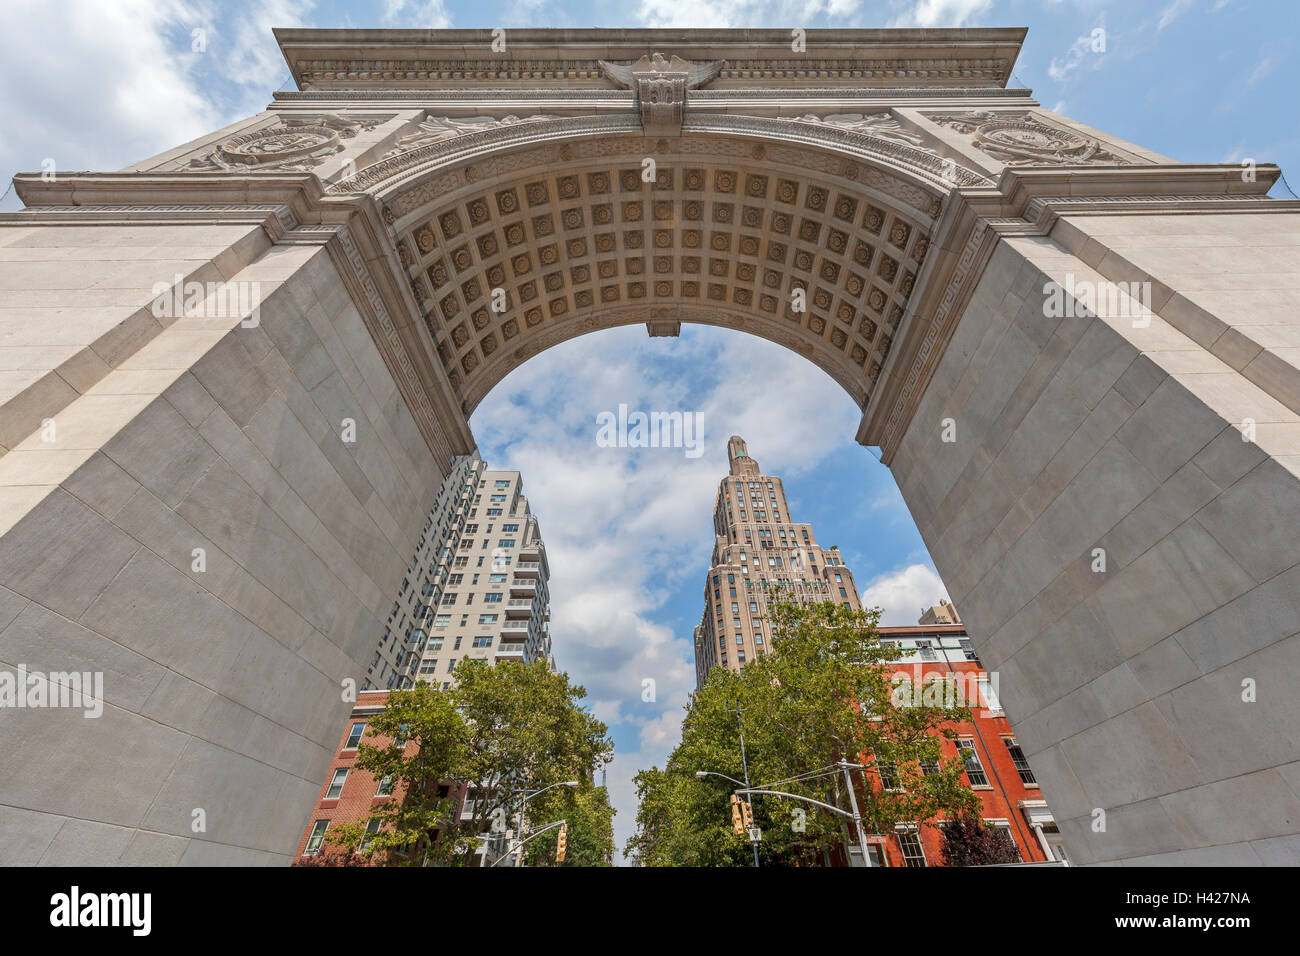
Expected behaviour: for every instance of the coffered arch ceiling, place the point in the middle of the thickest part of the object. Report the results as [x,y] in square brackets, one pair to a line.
[725,233]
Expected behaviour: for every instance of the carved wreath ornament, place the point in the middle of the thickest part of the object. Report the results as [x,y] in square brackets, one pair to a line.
[294,144]
[1023,140]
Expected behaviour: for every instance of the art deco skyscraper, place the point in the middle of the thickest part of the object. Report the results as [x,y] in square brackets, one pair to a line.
[760,553]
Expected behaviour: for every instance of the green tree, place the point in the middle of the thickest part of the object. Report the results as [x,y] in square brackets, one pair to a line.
[527,729]
[590,831]
[418,778]
[824,692]
[499,730]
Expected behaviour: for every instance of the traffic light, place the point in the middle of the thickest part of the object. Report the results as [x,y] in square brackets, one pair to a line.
[561,843]
[747,813]
[737,819]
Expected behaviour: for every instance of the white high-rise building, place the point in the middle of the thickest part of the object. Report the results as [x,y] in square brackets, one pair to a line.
[477,584]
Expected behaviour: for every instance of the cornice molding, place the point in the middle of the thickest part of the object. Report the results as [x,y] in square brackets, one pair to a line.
[527,57]
[507,94]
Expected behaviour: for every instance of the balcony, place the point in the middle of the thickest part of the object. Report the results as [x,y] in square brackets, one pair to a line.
[510,652]
[523,588]
[528,569]
[514,629]
[520,608]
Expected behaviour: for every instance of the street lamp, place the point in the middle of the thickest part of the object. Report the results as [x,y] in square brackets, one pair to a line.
[519,846]
[739,783]
[853,802]
[711,773]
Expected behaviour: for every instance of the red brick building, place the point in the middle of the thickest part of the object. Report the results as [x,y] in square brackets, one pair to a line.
[995,767]
[349,794]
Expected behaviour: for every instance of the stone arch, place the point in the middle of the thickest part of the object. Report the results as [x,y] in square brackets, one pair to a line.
[742,223]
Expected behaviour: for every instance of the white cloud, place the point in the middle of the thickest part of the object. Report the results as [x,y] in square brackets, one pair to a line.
[1236,154]
[1083,50]
[743,13]
[111,84]
[904,593]
[250,57]
[1262,69]
[1172,12]
[107,84]
[429,14]
[942,13]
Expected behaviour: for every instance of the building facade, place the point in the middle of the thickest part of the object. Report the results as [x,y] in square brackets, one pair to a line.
[348,794]
[476,587]
[759,554]
[406,630]
[1011,797]
[495,603]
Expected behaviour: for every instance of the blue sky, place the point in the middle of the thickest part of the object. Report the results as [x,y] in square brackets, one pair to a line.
[100,85]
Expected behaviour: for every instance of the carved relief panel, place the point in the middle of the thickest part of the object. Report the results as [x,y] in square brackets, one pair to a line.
[1019,138]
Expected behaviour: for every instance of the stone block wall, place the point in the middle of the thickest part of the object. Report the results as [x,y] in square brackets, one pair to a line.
[222,686]
[1129,688]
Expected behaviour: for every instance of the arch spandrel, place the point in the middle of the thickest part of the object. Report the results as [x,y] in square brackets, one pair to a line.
[729,229]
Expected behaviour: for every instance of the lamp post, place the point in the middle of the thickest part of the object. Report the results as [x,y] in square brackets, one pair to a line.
[853,802]
[744,763]
[528,795]
[549,826]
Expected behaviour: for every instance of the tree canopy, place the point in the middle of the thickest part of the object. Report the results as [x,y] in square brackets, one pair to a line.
[823,693]
[499,731]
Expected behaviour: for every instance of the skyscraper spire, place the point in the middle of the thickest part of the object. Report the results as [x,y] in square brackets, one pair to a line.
[738,457]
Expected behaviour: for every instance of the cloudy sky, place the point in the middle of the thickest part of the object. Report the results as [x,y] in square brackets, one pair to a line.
[100,85]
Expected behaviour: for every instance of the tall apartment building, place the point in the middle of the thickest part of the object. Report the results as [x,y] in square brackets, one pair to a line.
[495,603]
[421,589]
[476,585]
[759,552]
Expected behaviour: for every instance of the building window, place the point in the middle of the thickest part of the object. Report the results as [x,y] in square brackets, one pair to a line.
[974,769]
[990,697]
[487,618]
[385,786]
[926,649]
[888,774]
[336,784]
[1021,764]
[372,828]
[910,843]
[354,736]
[482,642]
[317,837]
[968,649]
